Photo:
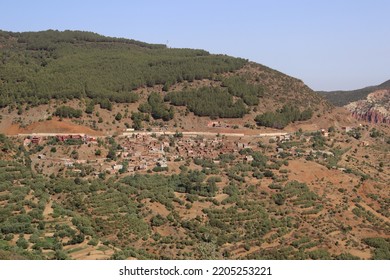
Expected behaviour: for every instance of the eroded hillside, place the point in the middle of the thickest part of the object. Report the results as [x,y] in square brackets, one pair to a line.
[375,108]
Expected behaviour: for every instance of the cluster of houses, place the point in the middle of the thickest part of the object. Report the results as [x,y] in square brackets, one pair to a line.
[145,152]
[142,151]
[83,137]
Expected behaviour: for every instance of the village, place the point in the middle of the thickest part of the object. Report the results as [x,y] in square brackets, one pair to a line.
[159,151]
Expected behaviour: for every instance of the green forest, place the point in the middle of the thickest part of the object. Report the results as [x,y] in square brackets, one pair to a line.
[284,116]
[208,101]
[38,66]
[237,86]
[232,100]
[156,107]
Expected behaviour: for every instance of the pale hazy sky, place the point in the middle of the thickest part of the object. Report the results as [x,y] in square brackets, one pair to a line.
[328,44]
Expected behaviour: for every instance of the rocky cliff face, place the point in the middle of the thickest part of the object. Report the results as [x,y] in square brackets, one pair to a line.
[375,108]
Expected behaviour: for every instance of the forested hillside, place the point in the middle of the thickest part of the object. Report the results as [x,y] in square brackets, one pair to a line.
[38,66]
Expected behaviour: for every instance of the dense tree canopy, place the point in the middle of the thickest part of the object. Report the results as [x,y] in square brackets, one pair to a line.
[281,118]
[68,112]
[238,87]
[157,107]
[38,66]
[207,101]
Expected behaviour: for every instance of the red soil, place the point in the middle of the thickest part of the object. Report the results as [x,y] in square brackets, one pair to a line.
[51,126]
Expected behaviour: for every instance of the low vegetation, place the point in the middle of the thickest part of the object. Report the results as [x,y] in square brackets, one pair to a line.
[233,205]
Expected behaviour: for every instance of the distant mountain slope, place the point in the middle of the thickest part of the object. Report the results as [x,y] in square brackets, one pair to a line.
[375,108]
[342,98]
[385,84]
[371,104]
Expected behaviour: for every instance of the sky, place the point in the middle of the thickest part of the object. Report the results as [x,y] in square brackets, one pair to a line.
[329,44]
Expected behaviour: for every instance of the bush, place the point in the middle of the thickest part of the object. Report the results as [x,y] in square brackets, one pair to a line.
[268,174]
[157,221]
[279,198]
[22,243]
[319,254]
[118,116]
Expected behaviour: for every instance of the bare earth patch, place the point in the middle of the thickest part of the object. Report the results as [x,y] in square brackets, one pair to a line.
[51,126]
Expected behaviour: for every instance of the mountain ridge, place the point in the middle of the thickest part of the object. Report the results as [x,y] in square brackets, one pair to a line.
[343,97]
[369,104]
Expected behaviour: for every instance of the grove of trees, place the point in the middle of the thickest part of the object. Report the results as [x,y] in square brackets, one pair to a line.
[209,101]
[284,116]
[156,107]
[68,112]
[239,87]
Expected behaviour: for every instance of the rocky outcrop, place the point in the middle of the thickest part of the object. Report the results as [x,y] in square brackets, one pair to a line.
[371,115]
[375,108]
